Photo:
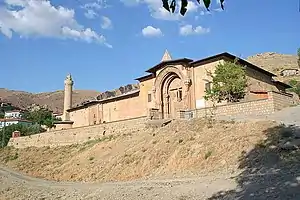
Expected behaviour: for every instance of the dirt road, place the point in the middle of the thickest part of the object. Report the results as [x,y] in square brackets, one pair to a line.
[15,186]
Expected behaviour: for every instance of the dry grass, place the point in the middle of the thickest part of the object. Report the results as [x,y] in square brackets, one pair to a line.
[180,149]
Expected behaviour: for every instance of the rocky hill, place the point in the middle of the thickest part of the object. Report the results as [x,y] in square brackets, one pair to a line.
[53,100]
[276,62]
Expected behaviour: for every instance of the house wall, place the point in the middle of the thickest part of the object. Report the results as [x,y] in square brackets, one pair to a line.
[145,89]
[13,115]
[8,123]
[257,81]
[198,83]
[80,117]
[123,109]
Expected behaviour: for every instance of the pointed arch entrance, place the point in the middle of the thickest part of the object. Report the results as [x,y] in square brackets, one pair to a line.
[171,93]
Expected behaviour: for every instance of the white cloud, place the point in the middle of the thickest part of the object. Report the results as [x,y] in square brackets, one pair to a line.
[106,23]
[90,14]
[158,12]
[150,31]
[96,5]
[91,8]
[189,30]
[41,19]
[131,2]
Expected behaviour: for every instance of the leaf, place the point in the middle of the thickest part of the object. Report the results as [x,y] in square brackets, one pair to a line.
[222,4]
[206,4]
[166,5]
[173,5]
[183,8]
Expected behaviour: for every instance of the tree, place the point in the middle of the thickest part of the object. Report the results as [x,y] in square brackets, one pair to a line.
[295,86]
[172,6]
[25,130]
[228,83]
[41,116]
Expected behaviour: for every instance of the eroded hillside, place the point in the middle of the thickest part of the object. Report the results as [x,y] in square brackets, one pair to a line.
[180,149]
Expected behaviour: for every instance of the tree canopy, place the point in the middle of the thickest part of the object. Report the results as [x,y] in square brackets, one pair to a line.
[295,86]
[228,83]
[184,3]
[40,116]
[25,130]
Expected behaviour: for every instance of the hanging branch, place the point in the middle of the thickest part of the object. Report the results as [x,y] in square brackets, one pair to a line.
[184,3]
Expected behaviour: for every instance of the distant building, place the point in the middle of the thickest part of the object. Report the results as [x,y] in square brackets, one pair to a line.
[16,114]
[11,121]
[289,72]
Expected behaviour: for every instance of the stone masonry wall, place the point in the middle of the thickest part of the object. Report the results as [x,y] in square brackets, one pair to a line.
[275,101]
[281,100]
[78,135]
[256,107]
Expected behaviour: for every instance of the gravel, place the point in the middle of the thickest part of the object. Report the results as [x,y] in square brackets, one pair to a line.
[16,186]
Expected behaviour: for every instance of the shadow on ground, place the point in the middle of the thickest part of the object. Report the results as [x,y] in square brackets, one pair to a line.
[271,170]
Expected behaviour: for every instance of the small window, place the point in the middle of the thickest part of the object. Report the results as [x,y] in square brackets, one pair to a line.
[95,122]
[179,95]
[94,115]
[208,86]
[149,97]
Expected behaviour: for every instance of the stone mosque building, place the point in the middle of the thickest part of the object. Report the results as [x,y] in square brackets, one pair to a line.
[171,86]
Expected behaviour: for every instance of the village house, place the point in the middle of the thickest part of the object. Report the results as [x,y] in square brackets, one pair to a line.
[11,121]
[13,114]
[289,72]
[169,87]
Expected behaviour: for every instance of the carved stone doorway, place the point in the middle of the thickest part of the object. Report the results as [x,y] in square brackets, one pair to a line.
[172,95]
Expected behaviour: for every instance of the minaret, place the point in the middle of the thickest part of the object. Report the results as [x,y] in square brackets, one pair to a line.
[68,97]
[166,56]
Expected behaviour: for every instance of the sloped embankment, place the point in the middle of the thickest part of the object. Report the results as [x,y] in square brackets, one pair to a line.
[180,149]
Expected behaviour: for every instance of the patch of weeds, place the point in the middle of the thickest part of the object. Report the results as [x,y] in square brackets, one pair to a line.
[91,158]
[180,141]
[192,138]
[168,141]
[95,141]
[183,197]
[154,142]
[14,157]
[261,144]
[207,154]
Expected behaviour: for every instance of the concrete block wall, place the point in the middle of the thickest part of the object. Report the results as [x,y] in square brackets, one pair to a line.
[78,135]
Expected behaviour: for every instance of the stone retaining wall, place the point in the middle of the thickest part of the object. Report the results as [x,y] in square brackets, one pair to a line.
[275,101]
[78,135]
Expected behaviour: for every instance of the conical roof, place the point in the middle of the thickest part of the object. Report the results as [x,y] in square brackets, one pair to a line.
[166,56]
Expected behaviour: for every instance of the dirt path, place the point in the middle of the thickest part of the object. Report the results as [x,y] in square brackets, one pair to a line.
[15,186]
